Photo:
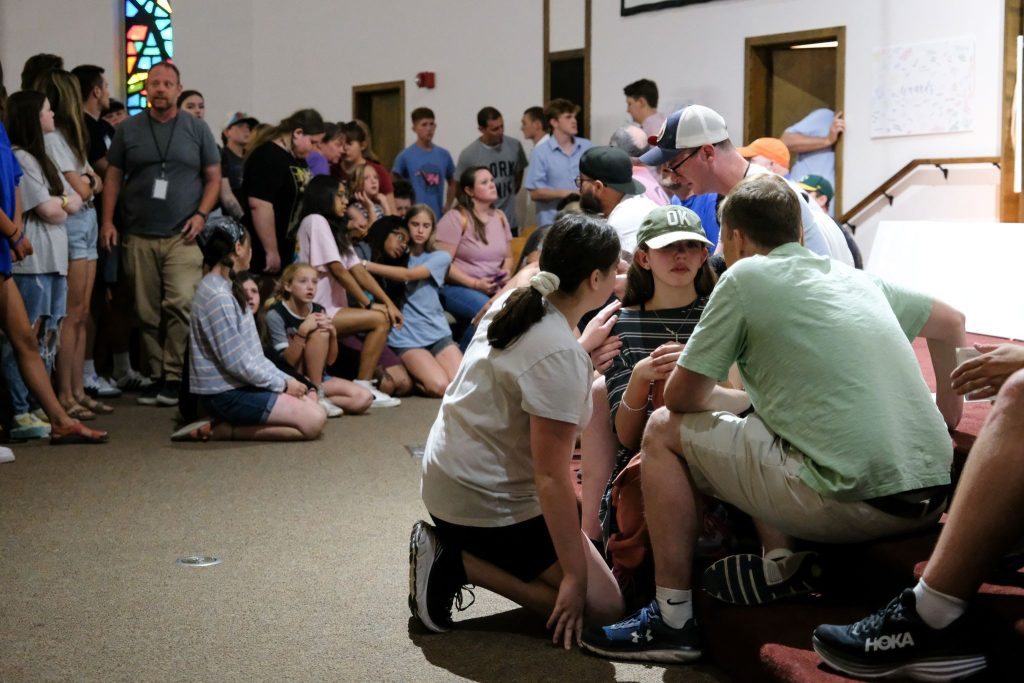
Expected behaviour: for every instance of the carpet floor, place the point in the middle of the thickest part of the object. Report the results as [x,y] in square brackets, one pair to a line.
[314,576]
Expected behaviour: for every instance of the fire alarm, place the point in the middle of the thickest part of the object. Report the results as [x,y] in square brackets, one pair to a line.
[425,79]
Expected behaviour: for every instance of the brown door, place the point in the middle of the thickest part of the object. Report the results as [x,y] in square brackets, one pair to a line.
[382,107]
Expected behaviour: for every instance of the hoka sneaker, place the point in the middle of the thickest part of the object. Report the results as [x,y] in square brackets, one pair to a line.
[753,580]
[436,579]
[895,642]
[644,637]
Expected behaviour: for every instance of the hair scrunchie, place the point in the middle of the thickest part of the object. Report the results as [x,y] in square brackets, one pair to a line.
[545,282]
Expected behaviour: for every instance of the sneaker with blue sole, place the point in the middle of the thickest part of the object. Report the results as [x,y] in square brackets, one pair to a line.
[645,637]
[895,642]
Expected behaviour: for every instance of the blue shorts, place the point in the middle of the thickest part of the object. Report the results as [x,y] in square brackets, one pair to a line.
[45,296]
[248,406]
[83,233]
[435,348]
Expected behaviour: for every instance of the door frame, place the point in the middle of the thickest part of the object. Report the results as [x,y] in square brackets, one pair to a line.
[1011,208]
[757,88]
[550,56]
[370,88]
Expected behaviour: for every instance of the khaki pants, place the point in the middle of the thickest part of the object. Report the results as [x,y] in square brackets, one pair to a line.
[164,273]
[741,461]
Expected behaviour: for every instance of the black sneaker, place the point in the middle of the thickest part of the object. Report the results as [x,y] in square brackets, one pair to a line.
[753,580]
[168,394]
[436,579]
[894,642]
[149,395]
[644,637]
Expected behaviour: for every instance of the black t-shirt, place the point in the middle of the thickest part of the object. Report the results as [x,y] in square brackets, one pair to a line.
[272,174]
[231,168]
[101,134]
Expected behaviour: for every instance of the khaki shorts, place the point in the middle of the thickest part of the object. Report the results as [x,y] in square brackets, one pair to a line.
[741,461]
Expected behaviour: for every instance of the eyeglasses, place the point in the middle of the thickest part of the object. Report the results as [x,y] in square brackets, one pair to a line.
[580,180]
[675,168]
[401,236]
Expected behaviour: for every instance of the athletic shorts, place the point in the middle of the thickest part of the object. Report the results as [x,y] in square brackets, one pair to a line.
[246,406]
[524,550]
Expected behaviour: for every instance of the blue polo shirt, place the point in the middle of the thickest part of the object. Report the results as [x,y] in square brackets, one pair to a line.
[10,174]
[551,168]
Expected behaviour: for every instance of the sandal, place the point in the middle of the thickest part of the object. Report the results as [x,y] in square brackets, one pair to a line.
[76,433]
[97,407]
[77,411]
[195,431]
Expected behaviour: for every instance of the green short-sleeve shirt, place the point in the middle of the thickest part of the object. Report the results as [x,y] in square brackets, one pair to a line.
[824,353]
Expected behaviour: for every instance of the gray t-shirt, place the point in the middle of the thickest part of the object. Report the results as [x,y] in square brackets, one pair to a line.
[60,152]
[49,241]
[505,161]
[137,149]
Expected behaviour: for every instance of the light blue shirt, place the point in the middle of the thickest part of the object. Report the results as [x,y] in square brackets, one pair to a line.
[551,168]
[820,162]
[424,316]
[427,170]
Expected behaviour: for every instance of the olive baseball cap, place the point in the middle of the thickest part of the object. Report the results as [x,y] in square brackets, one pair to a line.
[667,224]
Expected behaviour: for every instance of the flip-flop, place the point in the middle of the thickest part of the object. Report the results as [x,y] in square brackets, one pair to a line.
[76,433]
[77,411]
[97,407]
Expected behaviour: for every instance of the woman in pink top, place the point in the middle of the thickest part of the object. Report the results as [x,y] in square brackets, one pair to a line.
[479,239]
[324,244]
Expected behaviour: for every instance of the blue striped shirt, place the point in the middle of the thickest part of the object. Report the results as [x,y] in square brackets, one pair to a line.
[226,352]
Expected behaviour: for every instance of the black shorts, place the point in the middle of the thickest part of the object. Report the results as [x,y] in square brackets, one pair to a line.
[524,550]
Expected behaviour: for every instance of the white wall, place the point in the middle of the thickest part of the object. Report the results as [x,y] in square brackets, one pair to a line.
[270,57]
[696,54]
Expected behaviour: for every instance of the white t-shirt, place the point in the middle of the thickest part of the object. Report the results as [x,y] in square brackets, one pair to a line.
[317,247]
[49,240]
[626,218]
[60,152]
[478,464]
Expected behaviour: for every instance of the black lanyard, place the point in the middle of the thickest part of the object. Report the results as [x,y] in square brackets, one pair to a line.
[167,147]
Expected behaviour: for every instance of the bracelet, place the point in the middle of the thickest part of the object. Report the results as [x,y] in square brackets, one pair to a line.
[18,241]
[89,179]
[622,402]
[63,201]
[204,215]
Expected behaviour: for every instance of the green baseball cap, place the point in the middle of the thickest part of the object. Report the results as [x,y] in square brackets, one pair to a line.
[815,183]
[667,224]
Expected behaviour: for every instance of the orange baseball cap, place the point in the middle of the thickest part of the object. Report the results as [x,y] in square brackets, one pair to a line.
[772,148]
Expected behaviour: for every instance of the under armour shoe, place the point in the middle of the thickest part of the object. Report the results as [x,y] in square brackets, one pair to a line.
[436,579]
[753,580]
[644,637]
[895,642]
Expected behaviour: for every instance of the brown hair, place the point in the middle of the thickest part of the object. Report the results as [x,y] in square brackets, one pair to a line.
[765,208]
[640,281]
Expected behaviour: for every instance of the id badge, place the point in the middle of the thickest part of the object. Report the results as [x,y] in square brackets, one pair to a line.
[160,188]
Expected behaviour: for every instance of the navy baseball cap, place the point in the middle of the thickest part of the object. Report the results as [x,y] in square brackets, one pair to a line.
[687,128]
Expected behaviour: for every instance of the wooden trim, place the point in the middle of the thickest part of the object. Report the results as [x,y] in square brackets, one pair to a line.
[567,54]
[1010,205]
[377,87]
[587,14]
[545,61]
[899,175]
[755,73]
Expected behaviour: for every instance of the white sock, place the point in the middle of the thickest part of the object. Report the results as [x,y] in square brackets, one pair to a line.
[122,364]
[676,606]
[90,367]
[936,609]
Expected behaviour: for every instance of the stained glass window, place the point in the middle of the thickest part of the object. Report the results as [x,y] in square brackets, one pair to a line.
[149,39]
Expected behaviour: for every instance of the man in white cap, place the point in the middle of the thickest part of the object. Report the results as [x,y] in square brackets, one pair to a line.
[694,145]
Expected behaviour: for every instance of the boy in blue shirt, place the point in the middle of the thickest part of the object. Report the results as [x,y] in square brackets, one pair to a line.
[426,165]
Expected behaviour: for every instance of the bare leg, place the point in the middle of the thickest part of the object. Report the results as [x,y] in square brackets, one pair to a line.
[291,419]
[350,397]
[26,348]
[72,331]
[603,604]
[429,376]
[671,501]
[314,356]
[600,447]
[376,326]
[985,518]
[450,359]
[396,381]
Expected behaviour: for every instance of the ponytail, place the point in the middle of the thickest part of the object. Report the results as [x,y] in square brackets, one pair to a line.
[574,247]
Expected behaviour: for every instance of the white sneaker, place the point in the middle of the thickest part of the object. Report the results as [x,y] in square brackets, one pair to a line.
[133,381]
[100,387]
[6,454]
[329,408]
[380,399]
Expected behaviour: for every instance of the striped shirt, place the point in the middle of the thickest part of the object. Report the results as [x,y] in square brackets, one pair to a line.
[225,347]
[641,332]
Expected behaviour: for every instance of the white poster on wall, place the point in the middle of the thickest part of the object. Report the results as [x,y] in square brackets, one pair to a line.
[923,88]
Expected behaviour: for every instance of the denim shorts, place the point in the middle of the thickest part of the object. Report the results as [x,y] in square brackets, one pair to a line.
[45,296]
[246,406]
[435,348]
[83,233]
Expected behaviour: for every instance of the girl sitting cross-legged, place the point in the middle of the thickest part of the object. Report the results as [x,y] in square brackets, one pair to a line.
[248,396]
[301,335]
[425,342]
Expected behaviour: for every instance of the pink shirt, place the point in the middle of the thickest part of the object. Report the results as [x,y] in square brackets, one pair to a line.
[318,248]
[655,192]
[472,256]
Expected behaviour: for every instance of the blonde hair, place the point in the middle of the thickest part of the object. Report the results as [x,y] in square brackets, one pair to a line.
[287,278]
[357,178]
[417,209]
